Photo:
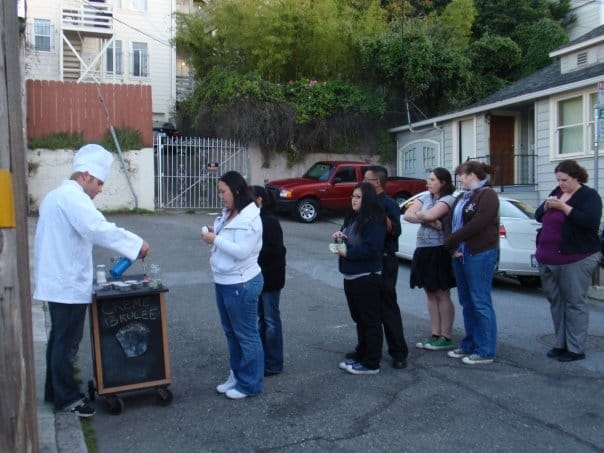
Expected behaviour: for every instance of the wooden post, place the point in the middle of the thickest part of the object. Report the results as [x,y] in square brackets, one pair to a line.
[18,420]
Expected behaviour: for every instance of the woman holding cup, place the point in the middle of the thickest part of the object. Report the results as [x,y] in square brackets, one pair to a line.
[568,252]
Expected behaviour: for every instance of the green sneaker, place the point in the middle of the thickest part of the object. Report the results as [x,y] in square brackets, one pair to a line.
[439,344]
[423,344]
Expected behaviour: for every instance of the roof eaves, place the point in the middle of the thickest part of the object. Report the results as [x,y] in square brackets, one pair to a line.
[433,122]
[576,47]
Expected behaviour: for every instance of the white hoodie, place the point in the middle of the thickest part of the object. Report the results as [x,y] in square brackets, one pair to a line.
[237,245]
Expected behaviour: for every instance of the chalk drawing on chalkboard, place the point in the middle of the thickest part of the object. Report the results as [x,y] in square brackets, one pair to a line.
[133,338]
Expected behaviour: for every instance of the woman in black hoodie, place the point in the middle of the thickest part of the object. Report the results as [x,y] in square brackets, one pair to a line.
[272,263]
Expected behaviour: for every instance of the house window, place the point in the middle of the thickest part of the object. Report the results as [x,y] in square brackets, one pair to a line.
[42,34]
[574,123]
[409,159]
[466,140]
[139,5]
[114,58]
[140,59]
[429,157]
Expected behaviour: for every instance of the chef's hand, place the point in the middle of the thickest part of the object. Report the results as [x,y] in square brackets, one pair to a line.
[144,249]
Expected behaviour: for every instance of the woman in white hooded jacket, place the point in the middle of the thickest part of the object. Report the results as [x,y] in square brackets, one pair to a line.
[236,240]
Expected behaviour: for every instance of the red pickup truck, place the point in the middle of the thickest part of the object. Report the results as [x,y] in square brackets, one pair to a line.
[328,185]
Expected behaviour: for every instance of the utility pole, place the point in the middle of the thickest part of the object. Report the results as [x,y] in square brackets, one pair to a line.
[18,420]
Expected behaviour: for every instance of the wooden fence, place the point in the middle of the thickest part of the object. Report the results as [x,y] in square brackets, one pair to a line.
[72,107]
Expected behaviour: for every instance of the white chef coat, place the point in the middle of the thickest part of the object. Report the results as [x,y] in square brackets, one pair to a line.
[68,227]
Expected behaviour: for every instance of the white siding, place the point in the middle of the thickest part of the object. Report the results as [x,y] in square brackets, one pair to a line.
[589,16]
[416,143]
[482,135]
[154,27]
[43,65]
[546,179]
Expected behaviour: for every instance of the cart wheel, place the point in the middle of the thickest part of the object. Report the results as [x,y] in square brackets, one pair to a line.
[164,396]
[91,391]
[114,405]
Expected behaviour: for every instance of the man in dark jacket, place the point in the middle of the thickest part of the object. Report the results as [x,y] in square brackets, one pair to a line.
[391,314]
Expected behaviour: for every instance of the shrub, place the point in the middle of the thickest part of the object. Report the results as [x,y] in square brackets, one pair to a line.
[60,140]
[127,138]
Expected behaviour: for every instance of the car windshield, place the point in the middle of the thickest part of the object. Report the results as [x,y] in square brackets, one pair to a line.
[319,171]
[516,209]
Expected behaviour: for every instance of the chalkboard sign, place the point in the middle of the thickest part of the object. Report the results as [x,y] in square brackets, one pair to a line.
[130,341]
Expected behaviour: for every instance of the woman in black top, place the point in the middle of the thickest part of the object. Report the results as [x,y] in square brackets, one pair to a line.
[272,263]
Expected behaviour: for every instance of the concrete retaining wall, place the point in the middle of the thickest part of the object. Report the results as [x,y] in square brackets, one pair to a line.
[279,168]
[47,168]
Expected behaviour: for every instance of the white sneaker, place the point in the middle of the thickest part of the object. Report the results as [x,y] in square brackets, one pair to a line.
[476,359]
[235,394]
[228,384]
[346,364]
[457,353]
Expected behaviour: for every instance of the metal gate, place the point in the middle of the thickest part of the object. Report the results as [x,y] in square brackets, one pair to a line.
[187,170]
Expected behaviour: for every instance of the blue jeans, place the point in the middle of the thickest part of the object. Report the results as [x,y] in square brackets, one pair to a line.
[474,275]
[238,308]
[67,328]
[271,333]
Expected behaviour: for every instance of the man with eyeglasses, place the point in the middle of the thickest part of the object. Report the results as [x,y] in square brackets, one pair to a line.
[391,314]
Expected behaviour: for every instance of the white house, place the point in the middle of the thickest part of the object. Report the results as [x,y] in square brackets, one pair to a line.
[523,129]
[109,41]
[589,14]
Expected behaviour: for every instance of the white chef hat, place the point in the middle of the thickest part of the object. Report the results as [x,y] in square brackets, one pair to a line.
[94,159]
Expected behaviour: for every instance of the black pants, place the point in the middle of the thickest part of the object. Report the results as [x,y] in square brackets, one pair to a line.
[391,314]
[363,297]
[66,331]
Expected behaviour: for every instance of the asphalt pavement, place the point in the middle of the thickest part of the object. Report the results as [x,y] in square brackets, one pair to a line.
[523,402]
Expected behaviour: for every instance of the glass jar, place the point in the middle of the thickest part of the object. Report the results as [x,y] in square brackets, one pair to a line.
[101,276]
[155,276]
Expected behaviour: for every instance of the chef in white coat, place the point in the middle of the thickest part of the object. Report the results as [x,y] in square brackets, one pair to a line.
[68,227]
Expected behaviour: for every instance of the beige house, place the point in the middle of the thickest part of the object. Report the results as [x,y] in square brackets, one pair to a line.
[109,41]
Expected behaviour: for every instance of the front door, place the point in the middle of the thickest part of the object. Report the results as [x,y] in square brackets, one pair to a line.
[501,149]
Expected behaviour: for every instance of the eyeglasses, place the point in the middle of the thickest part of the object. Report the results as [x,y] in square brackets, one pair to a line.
[370,179]
[356,197]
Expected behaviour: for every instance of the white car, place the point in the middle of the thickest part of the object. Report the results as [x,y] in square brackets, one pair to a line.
[517,234]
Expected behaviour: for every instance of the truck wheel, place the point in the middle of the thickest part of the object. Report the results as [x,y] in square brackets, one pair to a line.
[401,197]
[307,210]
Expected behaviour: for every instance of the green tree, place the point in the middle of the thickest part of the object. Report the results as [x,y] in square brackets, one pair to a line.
[456,21]
[279,40]
[537,41]
[492,59]
[509,17]
[329,73]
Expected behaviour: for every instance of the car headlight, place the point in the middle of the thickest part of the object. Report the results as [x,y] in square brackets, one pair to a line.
[283,193]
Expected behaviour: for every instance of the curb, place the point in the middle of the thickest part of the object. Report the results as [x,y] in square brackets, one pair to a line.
[57,432]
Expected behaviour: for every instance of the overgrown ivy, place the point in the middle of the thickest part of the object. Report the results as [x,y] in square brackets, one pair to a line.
[298,117]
